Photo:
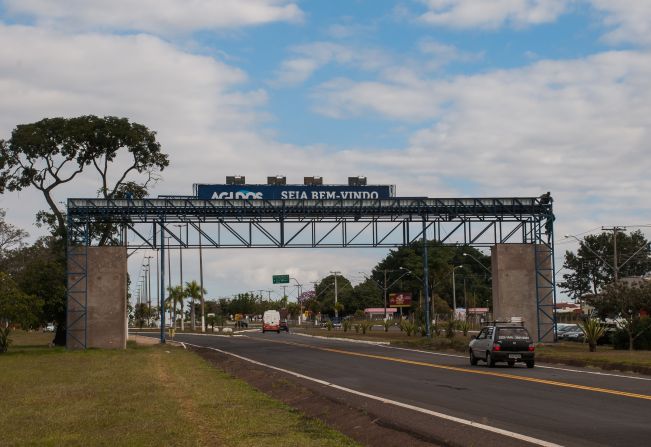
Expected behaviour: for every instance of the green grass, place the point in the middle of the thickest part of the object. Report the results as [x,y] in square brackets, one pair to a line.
[604,355]
[140,397]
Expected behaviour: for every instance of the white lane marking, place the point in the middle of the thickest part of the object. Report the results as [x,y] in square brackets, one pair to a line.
[204,335]
[351,340]
[448,417]
[597,373]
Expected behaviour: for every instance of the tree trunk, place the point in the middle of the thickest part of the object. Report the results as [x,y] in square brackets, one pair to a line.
[630,340]
[593,347]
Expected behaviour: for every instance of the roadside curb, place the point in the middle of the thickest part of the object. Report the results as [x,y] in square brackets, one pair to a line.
[351,340]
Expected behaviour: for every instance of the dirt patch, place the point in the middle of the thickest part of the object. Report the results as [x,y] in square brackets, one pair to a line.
[369,422]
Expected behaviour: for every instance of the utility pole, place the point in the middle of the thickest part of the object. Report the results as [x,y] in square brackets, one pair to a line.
[614,229]
[336,311]
[203,301]
[148,258]
[385,295]
[181,267]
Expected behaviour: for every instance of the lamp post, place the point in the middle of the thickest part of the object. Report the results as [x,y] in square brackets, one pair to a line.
[181,268]
[386,287]
[336,311]
[454,290]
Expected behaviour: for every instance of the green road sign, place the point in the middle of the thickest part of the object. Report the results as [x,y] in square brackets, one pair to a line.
[281,279]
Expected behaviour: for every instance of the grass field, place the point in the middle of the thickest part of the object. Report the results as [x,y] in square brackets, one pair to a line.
[139,397]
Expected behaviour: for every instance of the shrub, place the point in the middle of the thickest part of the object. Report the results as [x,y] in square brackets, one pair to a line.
[642,342]
[366,326]
[346,324]
[450,328]
[409,328]
[387,324]
[593,330]
[436,328]
[463,326]
[357,328]
[329,325]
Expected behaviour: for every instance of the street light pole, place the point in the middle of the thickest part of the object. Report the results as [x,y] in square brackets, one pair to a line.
[181,269]
[454,290]
[203,301]
[336,311]
[385,295]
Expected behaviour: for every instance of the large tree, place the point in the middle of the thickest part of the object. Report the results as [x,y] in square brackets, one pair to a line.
[592,266]
[11,237]
[52,152]
[625,302]
[123,157]
[474,273]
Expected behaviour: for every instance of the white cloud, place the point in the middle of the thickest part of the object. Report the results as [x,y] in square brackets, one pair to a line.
[310,57]
[630,21]
[578,128]
[444,54]
[155,16]
[492,14]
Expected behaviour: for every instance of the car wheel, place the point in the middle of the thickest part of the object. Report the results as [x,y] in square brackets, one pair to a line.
[530,364]
[263,331]
[490,361]
[473,359]
[511,363]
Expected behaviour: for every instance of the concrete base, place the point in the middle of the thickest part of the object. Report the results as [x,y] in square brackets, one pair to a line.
[105,288]
[514,287]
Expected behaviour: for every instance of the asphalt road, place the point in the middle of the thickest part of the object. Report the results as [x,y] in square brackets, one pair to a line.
[550,403]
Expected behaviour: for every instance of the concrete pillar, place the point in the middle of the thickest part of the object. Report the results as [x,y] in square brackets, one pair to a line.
[106,289]
[514,288]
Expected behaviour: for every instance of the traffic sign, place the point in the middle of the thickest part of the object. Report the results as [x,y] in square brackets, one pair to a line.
[281,279]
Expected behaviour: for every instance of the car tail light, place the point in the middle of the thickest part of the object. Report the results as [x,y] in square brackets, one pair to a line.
[532,347]
[497,347]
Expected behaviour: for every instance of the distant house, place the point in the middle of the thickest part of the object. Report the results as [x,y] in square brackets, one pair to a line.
[378,312]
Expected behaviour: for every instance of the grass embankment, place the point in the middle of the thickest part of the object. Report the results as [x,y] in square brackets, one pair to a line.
[606,357]
[569,353]
[141,396]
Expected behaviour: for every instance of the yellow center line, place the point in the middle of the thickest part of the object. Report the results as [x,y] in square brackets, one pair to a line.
[470,371]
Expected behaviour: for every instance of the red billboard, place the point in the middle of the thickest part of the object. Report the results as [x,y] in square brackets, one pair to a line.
[400,299]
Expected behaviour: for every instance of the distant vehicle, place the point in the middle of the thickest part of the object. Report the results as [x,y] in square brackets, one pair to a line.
[572,334]
[284,326]
[502,342]
[271,321]
[49,328]
[561,328]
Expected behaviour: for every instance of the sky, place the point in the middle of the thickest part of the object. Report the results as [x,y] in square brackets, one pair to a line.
[442,98]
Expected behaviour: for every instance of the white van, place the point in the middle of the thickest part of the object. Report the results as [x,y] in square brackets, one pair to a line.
[271,321]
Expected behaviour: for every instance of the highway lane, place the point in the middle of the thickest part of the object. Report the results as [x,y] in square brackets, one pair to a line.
[561,406]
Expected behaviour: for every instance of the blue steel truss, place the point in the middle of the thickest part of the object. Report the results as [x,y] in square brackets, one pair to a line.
[250,223]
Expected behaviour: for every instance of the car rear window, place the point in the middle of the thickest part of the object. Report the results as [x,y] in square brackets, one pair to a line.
[512,333]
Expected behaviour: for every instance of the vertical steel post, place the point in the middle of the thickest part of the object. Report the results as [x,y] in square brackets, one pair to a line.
[426,279]
[162,284]
[203,301]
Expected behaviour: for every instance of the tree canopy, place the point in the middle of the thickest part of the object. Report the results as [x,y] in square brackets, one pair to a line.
[591,267]
[53,151]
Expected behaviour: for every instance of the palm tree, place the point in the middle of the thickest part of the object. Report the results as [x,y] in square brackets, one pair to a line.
[593,331]
[176,295]
[193,291]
